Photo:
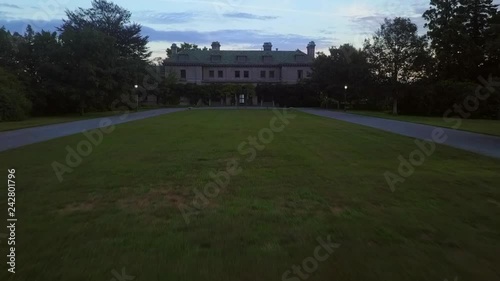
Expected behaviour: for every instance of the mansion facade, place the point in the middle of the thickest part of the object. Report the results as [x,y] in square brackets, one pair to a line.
[227,66]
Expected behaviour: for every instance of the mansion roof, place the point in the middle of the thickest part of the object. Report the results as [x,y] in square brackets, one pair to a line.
[239,58]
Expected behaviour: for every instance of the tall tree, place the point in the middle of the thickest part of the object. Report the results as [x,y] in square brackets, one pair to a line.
[446,32]
[110,24]
[48,69]
[114,21]
[397,54]
[476,15]
[13,103]
[492,46]
[7,56]
[345,65]
[91,72]
[457,31]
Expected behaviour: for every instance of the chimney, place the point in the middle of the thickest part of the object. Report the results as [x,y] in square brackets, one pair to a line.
[268,46]
[311,49]
[174,49]
[216,46]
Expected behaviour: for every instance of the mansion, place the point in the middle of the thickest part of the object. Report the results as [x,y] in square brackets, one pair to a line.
[254,67]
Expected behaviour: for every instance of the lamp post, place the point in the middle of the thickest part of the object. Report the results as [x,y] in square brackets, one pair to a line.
[137,100]
[345,98]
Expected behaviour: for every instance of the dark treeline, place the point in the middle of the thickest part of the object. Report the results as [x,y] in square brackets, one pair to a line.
[401,71]
[97,55]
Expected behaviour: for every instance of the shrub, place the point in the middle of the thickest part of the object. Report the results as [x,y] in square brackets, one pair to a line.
[434,99]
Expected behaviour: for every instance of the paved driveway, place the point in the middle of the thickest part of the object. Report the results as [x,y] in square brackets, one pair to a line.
[478,143]
[22,137]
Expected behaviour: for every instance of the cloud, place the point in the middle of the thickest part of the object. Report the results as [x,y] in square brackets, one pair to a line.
[9,6]
[327,31]
[164,18]
[252,38]
[420,8]
[248,16]
[370,24]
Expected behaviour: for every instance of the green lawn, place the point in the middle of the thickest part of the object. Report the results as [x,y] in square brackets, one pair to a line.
[41,121]
[490,127]
[319,177]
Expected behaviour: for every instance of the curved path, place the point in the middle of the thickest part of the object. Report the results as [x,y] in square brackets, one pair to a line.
[22,137]
[478,143]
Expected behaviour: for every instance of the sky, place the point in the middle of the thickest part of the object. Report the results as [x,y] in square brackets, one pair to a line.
[236,24]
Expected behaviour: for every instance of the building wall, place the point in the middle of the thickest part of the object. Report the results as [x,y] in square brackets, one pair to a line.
[194,74]
[199,75]
[290,73]
[253,77]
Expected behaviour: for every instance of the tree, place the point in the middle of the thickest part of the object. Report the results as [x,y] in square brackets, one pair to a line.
[7,56]
[345,65]
[492,46]
[113,21]
[91,72]
[44,67]
[457,29]
[445,32]
[476,15]
[13,103]
[120,50]
[185,47]
[397,54]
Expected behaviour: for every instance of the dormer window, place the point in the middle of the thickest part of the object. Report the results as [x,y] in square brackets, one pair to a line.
[215,58]
[241,58]
[300,58]
[267,58]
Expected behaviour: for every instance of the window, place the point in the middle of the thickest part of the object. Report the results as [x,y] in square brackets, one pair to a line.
[242,99]
[271,74]
[246,74]
[183,74]
[300,74]
[263,74]
[211,74]
[300,58]
[237,74]
[241,58]
[309,74]
[220,74]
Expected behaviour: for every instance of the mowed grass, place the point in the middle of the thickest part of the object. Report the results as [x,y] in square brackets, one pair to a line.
[48,120]
[483,126]
[319,177]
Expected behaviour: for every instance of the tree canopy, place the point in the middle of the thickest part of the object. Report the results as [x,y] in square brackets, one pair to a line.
[95,56]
